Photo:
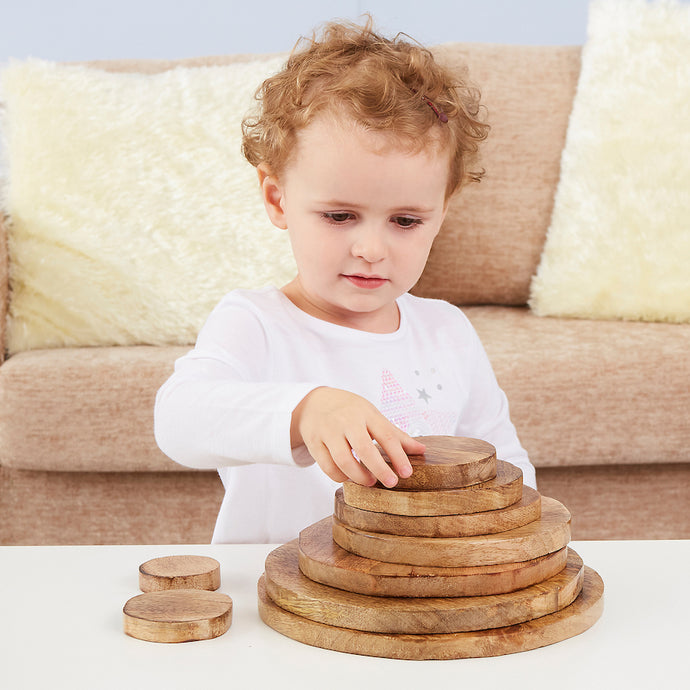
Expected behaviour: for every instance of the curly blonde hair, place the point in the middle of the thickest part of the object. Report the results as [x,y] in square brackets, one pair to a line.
[387,85]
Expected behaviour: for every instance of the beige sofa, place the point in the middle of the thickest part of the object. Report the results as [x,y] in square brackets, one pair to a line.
[601,406]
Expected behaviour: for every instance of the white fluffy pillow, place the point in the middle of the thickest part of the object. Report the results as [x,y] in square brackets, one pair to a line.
[132,208]
[619,241]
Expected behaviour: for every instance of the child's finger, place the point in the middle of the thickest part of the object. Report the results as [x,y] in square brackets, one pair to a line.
[411,445]
[349,464]
[398,459]
[324,460]
[368,455]
[393,441]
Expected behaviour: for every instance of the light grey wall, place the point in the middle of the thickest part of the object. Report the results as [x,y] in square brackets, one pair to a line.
[90,29]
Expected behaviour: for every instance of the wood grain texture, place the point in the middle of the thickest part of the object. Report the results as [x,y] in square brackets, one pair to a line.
[548,534]
[500,492]
[322,560]
[526,510]
[179,572]
[179,615]
[555,627]
[449,462]
[293,591]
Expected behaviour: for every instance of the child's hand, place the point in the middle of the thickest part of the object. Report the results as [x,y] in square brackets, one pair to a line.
[334,423]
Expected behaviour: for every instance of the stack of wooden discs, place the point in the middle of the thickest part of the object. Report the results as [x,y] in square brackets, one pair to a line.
[179,603]
[459,560]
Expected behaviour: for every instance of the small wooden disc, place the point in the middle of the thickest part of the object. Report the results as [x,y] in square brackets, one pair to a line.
[322,560]
[179,572]
[449,462]
[293,591]
[526,510]
[555,627]
[179,615]
[548,534]
[500,492]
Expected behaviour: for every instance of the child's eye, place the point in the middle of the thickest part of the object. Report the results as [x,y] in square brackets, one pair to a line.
[337,217]
[406,222]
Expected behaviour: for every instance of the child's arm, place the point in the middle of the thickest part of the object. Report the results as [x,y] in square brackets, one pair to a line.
[335,424]
[218,409]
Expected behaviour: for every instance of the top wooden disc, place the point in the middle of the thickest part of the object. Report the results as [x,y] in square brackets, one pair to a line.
[179,572]
[449,462]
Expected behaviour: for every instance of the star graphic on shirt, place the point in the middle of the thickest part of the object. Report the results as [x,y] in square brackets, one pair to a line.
[404,411]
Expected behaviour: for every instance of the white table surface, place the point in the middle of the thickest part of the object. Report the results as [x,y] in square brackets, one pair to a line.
[61,627]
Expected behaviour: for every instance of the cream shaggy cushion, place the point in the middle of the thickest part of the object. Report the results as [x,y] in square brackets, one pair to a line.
[132,208]
[619,241]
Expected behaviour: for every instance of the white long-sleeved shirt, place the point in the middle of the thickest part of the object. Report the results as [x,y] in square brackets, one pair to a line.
[228,405]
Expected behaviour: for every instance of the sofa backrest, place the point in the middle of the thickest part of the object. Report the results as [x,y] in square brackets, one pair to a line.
[492,238]
[4,284]
[491,241]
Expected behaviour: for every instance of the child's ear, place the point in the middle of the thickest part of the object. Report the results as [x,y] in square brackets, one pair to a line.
[273,196]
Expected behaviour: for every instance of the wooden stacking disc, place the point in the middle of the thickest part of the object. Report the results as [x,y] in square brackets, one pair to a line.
[179,572]
[449,462]
[293,591]
[546,535]
[526,510]
[322,560]
[568,622]
[500,492]
[178,615]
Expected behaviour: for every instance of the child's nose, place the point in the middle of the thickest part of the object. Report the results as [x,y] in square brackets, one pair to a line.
[369,244]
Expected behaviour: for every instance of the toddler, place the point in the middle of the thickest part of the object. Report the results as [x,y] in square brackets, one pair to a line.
[359,143]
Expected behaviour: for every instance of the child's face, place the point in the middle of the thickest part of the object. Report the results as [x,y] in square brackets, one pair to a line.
[361,215]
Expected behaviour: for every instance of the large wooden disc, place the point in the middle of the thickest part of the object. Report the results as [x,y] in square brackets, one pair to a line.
[322,560]
[546,535]
[500,492]
[526,510]
[177,615]
[449,462]
[293,591]
[179,572]
[568,622]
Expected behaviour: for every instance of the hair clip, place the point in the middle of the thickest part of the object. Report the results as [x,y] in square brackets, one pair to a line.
[439,113]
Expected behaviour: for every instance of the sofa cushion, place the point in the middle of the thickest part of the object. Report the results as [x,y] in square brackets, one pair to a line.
[579,391]
[83,409]
[619,241]
[133,210]
[587,392]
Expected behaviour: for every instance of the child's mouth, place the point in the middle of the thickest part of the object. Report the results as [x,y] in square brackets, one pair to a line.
[367,282]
